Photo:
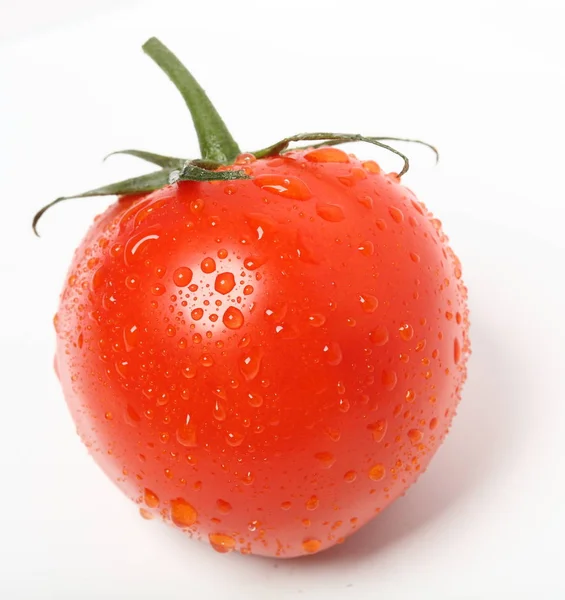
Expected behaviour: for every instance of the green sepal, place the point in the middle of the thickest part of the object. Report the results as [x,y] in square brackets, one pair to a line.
[165,162]
[334,139]
[136,185]
[192,172]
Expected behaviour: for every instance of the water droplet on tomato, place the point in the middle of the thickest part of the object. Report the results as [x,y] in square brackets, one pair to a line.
[377,472]
[132,282]
[316,320]
[197,314]
[197,206]
[371,166]
[350,476]
[456,350]
[366,248]
[250,363]
[122,368]
[285,186]
[331,155]
[219,411]
[138,245]
[116,250]
[415,436]
[365,201]
[150,498]
[188,370]
[223,506]
[234,439]
[183,514]
[221,542]
[326,459]
[145,514]
[254,262]
[248,478]
[333,433]
[99,279]
[312,503]
[369,303]
[420,345]
[379,336]
[418,206]
[396,214]
[414,257]
[381,224]
[255,400]
[182,276]
[311,545]
[244,158]
[208,265]
[433,423]
[233,318]
[389,379]
[158,289]
[330,212]
[406,332]
[253,525]
[378,429]
[206,360]
[221,392]
[333,354]
[225,282]
[108,416]
[347,180]
[186,435]
[244,341]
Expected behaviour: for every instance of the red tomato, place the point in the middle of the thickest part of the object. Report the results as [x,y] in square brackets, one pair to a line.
[266,363]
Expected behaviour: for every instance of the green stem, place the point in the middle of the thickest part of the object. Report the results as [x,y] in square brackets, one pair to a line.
[216,142]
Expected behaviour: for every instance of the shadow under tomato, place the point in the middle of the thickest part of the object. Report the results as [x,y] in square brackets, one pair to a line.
[486,430]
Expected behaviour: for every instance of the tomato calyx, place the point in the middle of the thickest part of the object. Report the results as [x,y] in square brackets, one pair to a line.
[334,139]
[217,146]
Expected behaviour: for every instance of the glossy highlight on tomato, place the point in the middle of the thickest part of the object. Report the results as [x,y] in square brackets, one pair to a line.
[265,363]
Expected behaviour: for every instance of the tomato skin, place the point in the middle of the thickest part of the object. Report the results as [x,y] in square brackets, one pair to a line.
[266,364]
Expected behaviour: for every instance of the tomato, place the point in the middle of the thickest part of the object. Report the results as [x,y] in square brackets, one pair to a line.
[265,363]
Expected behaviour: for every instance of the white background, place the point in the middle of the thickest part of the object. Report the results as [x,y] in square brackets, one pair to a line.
[484,81]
